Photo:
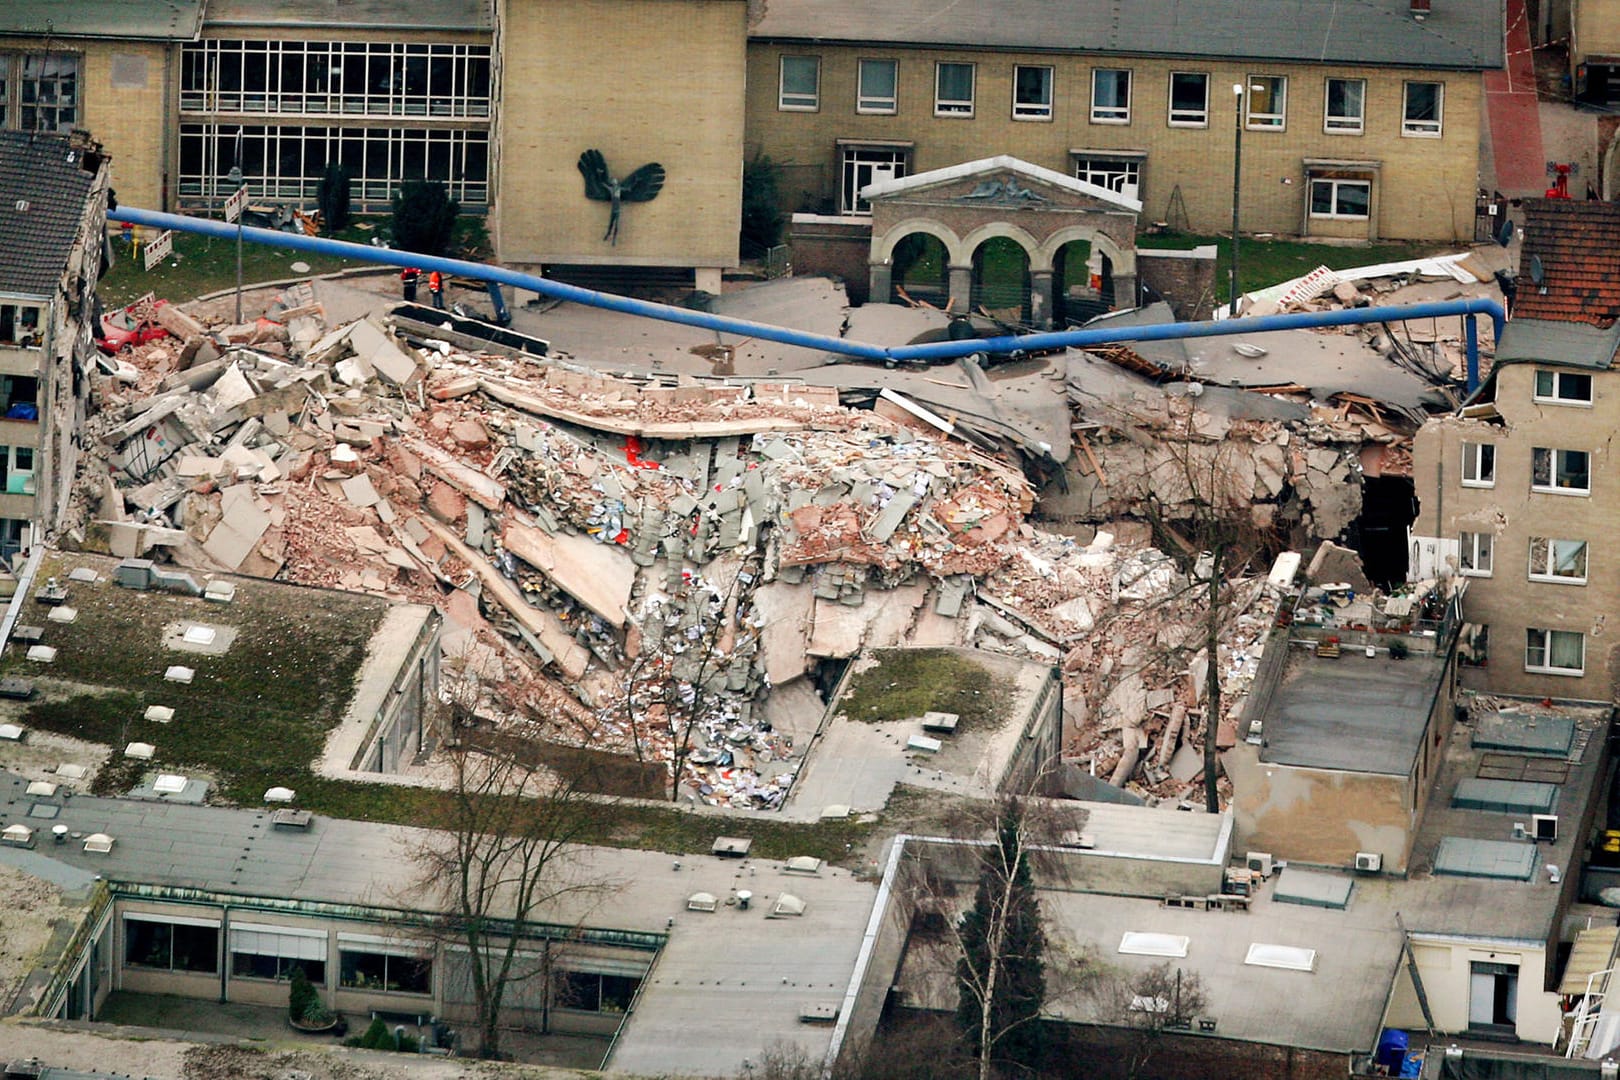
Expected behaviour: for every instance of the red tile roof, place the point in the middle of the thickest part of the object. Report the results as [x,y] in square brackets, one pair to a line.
[1578,243]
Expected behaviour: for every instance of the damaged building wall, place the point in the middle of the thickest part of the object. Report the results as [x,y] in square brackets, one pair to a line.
[1516,588]
[1319,816]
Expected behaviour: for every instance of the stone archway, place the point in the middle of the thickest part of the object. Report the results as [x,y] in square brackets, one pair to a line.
[880,277]
[1107,262]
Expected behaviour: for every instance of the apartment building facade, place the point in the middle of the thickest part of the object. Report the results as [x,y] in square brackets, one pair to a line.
[1520,488]
[1365,127]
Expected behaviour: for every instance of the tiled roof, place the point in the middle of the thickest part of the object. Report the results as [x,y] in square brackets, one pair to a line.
[1457,34]
[43,188]
[1578,244]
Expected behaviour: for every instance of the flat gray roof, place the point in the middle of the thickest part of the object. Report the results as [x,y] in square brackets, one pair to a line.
[469,15]
[1463,34]
[1524,733]
[1352,713]
[1570,344]
[1466,857]
[163,20]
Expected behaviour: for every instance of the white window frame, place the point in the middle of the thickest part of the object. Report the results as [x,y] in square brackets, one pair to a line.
[1121,174]
[1556,465]
[1544,647]
[1474,553]
[877,104]
[797,101]
[1333,199]
[849,173]
[1267,121]
[1552,552]
[1482,458]
[1343,124]
[1423,129]
[1188,117]
[1112,114]
[961,108]
[1034,110]
[1557,396]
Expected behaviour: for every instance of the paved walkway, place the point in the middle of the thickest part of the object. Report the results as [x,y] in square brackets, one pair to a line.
[1512,114]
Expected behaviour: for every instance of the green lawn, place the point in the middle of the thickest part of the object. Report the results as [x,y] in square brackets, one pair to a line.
[203,264]
[1263,263]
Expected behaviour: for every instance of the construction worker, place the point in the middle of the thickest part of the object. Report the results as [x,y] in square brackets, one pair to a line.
[436,289]
[408,278]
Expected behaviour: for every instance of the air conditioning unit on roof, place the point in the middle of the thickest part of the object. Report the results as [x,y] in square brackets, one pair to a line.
[1259,862]
[1369,861]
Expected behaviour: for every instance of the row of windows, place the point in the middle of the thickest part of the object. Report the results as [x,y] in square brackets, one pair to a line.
[373,78]
[39,92]
[287,162]
[1555,471]
[1561,561]
[1344,101]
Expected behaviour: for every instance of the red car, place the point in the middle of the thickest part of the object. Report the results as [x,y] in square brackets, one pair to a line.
[130,326]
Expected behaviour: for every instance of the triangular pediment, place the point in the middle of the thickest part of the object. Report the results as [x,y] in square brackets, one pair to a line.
[1001,181]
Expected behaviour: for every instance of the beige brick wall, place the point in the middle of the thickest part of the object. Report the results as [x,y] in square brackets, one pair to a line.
[642,81]
[1426,192]
[128,118]
[1595,29]
[1508,601]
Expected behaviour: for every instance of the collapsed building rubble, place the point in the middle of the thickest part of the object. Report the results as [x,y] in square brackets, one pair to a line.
[638,561]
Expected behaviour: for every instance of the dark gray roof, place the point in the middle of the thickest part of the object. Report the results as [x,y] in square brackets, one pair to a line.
[165,20]
[43,188]
[1573,344]
[476,15]
[1463,34]
[1352,714]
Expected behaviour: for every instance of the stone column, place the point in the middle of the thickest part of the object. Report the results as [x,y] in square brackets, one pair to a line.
[1040,298]
[961,287]
[879,277]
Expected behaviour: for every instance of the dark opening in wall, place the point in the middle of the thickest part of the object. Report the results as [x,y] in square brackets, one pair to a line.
[1388,508]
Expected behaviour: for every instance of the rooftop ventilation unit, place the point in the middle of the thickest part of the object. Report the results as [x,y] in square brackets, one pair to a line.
[1259,862]
[1544,827]
[702,901]
[1369,862]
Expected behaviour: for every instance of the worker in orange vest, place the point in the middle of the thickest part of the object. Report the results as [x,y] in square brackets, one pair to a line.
[436,289]
[408,278]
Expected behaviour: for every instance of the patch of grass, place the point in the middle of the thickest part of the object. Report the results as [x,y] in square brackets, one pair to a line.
[208,264]
[905,683]
[1263,263]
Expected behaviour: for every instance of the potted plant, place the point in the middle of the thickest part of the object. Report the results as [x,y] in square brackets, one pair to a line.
[305,1011]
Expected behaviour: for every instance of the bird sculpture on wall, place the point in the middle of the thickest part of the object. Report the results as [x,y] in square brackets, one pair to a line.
[643,185]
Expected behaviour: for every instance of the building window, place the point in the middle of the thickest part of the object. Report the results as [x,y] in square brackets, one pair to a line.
[591,992]
[19,325]
[288,161]
[1189,99]
[877,89]
[1562,472]
[1110,96]
[1563,387]
[1121,175]
[801,84]
[315,78]
[1555,652]
[1478,465]
[272,952]
[1346,106]
[953,90]
[863,165]
[1032,93]
[39,91]
[1474,554]
[1342,199]
[365,970]
[1266,102]
[1562,561]
[1423,109]
[156,942]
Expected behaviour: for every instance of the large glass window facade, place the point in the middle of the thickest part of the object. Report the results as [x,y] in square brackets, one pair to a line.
[305,78]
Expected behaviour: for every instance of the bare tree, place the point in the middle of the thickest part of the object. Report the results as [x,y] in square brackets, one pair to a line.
[500,858]
[1148,1004]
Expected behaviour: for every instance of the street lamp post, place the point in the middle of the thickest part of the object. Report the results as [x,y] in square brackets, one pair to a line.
[1237,189]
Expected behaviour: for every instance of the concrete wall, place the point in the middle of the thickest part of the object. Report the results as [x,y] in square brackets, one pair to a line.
[1316,815]
[1426,184]
[1186,279]
[835,247]
[1444,967]
[602,74]
[1508,601]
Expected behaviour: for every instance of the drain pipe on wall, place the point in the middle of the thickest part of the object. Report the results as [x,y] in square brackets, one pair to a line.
[939,350]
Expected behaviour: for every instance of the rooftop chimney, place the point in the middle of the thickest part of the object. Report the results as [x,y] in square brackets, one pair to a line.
[1420,9]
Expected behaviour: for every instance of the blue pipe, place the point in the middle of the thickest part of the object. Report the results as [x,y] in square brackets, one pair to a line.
[939,350]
